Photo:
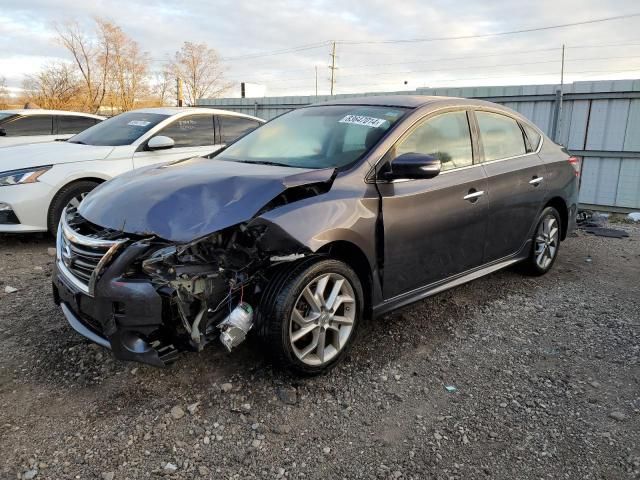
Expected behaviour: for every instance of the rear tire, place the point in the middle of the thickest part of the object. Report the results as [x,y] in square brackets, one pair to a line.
[545,243]
[309,314]
[71,194]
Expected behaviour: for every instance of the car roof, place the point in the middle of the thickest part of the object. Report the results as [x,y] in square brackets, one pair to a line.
[420,101]
[42,111]
[179,110]
[411,101]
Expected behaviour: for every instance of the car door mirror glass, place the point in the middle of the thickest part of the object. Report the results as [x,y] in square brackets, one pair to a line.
[412,166]
[160,142]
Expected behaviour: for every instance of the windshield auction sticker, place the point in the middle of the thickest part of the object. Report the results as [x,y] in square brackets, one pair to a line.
[363,120]
[138,123]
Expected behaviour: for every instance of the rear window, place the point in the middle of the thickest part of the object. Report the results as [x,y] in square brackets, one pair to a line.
[533,136]
[232,128]
[123,129]
[71,124]
[500,135]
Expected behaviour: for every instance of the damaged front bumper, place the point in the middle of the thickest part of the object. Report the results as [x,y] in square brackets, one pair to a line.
[148,299]
[123,315]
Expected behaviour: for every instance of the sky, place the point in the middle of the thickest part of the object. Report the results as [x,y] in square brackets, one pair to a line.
[249,34]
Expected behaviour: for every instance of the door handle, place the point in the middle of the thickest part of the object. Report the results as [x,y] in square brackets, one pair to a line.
[473,195]
[535,181]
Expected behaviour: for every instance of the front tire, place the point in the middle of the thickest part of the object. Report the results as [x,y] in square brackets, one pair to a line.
[69,195]
[309,314]
[546,243]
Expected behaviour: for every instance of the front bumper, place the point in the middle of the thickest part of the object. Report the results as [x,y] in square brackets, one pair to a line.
[29,203]
[125,315]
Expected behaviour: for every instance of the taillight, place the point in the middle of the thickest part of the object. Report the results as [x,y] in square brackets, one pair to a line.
[575,163]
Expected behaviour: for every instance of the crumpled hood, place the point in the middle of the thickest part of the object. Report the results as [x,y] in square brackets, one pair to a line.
[186,200]
[50,153]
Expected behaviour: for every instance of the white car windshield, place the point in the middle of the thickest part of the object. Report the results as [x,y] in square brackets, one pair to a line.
[123,129]
[316,137]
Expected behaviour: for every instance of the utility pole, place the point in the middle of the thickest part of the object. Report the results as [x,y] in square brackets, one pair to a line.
[316,80]
[179,91]
[333,67]
[559,128]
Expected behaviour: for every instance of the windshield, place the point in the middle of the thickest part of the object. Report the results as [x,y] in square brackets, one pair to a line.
[315,137]
[123,129]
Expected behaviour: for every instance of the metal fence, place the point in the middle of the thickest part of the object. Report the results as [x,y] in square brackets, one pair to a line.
[599,121]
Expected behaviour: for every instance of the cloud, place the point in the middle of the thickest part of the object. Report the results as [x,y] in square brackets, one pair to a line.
[241,28]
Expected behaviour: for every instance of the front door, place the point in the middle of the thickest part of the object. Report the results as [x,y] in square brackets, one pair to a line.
[194,136]
[516,177]
[434,228]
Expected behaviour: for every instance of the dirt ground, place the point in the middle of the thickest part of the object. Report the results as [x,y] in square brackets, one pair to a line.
[508,377]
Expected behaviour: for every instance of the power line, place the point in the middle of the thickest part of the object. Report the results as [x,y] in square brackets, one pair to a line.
[485,35]
[416,40]
[279,52]
[270,76]
[447,69]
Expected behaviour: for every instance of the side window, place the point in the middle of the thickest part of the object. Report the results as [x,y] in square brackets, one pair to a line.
[191,131]
[72,124]
[500,135]
[29,126]
[533,136]
[232,128]
[445,136]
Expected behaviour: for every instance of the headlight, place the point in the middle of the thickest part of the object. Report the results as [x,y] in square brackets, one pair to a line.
[25,175]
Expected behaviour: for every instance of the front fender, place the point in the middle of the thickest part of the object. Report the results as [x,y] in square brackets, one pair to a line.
[315,222]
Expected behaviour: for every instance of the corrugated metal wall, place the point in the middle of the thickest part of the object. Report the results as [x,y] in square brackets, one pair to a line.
[599,121]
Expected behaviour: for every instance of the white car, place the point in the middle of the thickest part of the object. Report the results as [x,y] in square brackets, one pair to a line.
[18,127]
[38,181]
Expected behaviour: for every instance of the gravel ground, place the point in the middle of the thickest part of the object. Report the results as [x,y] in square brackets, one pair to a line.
[507,377]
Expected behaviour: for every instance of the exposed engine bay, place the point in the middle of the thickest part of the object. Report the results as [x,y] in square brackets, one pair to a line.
[216,281]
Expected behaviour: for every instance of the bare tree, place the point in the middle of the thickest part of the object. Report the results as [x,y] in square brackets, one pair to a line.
[201,71]
[162,82]
[92,56]
[4,93]
[56,87]
[127,72]
[111,64]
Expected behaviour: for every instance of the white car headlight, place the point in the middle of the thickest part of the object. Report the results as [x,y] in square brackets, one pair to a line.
[25,175]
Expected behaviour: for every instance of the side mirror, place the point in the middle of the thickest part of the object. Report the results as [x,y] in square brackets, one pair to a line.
[3,132]
[412,166]
[160,143]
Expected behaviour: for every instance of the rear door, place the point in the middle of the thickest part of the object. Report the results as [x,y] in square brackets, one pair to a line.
[28,129]
[434,228]
[516,183]
[194,136]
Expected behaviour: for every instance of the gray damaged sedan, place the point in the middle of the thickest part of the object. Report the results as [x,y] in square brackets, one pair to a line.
[322,218]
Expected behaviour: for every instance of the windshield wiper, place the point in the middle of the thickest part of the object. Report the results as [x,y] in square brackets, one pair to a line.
[263,162]
[76,141]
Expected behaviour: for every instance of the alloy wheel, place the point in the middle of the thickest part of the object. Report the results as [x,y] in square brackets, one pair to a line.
[546,242]
[322,319]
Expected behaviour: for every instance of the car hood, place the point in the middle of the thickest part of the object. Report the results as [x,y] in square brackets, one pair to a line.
[50,153]
[186,200]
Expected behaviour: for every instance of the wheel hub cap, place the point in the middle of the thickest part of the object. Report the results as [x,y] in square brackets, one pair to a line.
[546,242]
[322,319]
